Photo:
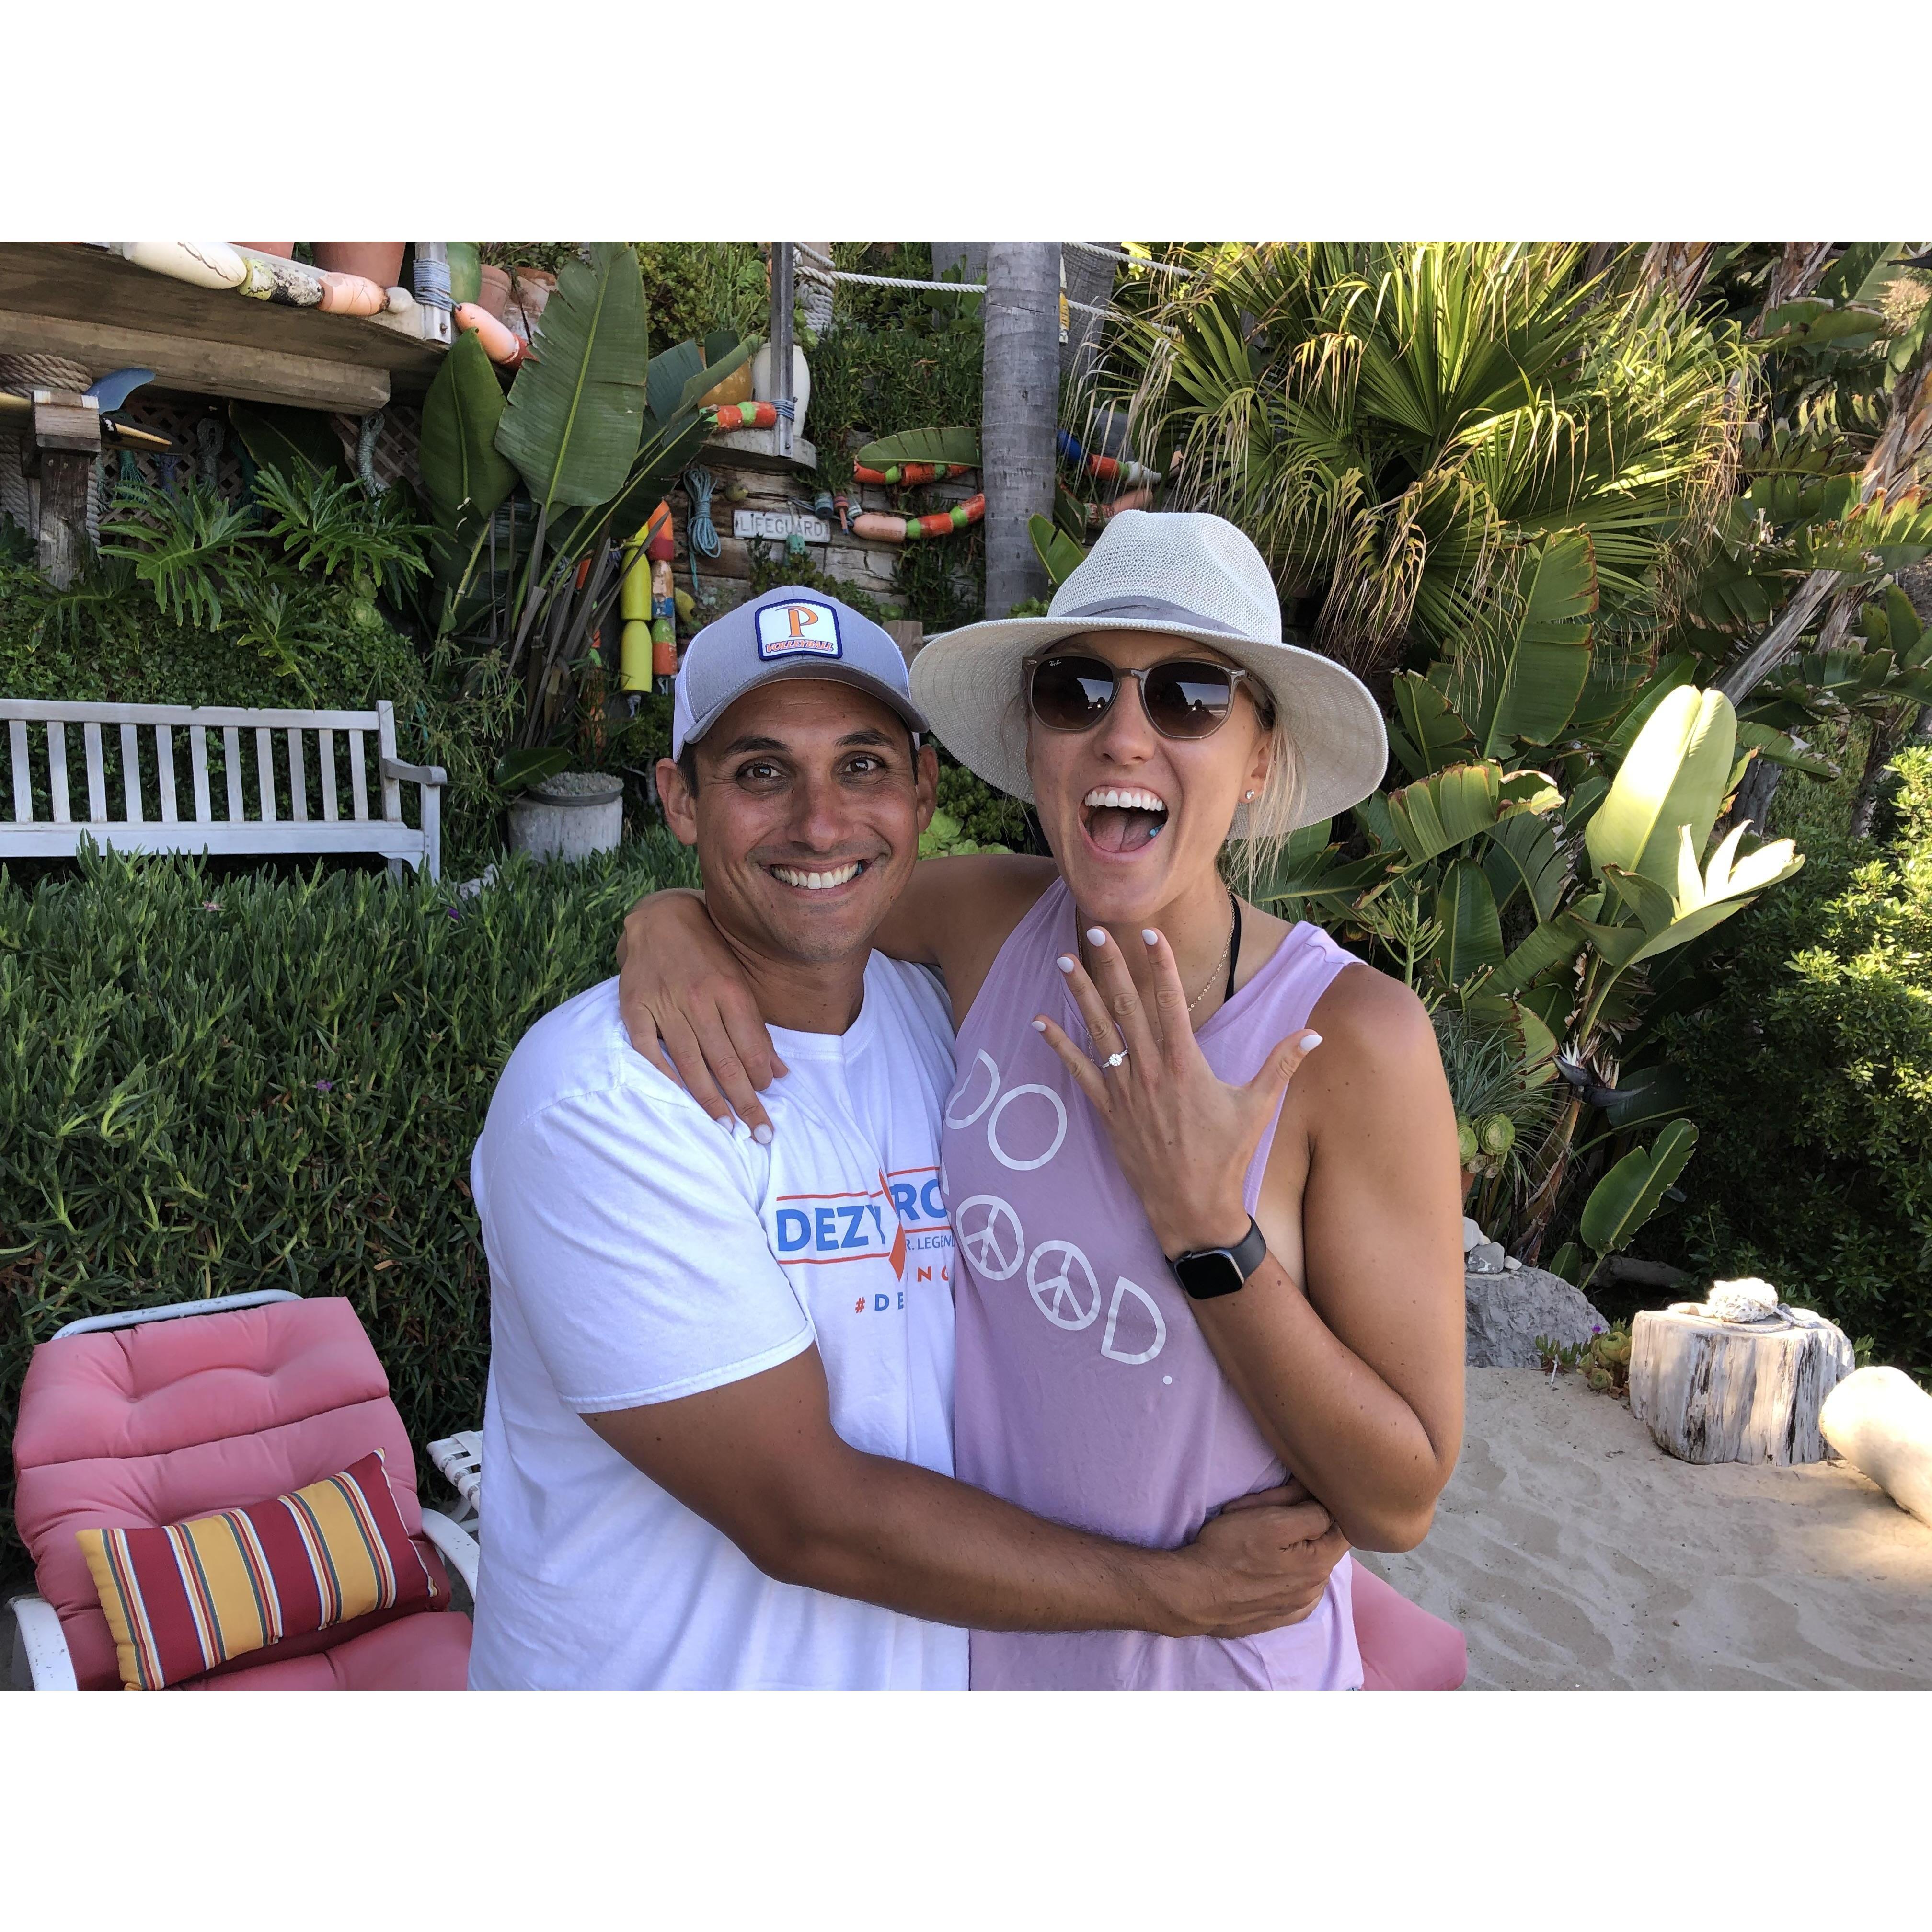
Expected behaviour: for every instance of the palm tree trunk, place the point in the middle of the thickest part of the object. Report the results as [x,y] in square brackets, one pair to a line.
[1021,408]
[1887,734]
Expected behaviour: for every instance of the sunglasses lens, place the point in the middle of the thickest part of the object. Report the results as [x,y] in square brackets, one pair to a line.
[1189,700]
[1070,693]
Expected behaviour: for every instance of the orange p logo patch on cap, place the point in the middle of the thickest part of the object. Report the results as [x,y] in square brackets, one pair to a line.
[798,628]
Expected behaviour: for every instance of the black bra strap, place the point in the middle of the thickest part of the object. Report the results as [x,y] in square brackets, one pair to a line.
[1234,949]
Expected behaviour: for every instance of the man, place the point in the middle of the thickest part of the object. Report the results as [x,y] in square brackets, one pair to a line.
[719,1432]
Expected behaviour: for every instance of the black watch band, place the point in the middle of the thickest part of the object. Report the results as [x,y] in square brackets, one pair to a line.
[1205,1272]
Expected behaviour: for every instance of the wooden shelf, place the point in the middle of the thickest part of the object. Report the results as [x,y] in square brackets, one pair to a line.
[63,299]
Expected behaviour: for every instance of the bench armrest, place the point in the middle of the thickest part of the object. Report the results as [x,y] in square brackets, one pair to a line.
[456,1547]
[426,775]
[40,1644]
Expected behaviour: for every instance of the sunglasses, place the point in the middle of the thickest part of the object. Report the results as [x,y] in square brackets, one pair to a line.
[1184,697]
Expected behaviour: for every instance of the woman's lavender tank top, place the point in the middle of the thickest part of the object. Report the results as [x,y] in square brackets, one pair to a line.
[1085,1393]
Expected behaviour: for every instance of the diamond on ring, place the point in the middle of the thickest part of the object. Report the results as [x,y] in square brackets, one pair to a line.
[1116,1059]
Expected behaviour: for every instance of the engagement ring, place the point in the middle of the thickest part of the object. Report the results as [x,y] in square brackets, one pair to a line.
[1116,1059]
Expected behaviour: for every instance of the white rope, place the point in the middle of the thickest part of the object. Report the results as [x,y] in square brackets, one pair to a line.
[1088,308]
[1138,261]
[898,282]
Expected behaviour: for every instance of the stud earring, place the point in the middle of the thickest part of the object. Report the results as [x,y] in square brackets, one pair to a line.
[1247,795]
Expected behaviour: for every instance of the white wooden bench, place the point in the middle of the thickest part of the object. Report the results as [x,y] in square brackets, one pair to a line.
[299,792]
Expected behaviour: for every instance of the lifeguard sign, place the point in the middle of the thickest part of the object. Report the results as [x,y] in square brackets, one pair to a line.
[798,626]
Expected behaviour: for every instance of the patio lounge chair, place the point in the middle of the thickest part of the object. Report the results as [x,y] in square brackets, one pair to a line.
[165,1414]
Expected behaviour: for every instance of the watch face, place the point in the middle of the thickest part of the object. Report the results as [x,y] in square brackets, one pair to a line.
[1205,1275]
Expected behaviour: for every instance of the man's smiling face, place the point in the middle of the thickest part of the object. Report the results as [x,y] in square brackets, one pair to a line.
[806,816]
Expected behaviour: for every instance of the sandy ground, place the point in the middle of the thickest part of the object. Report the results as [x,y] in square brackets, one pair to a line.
[1574,1553]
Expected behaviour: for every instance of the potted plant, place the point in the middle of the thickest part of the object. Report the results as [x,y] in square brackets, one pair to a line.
[379,262]
[558,814]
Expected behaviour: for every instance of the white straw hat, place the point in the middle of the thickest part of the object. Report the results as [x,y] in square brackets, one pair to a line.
[1181,574]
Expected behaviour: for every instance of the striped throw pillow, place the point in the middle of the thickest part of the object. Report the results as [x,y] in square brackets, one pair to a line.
[181,1600]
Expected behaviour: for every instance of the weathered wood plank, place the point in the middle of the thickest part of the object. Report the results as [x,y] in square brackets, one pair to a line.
[164,768]
[265,773]
[231,758]
[358,780]
[46,841]
[41,710]
[325,750]
[57,773]
[298,780]
[23,785]
[386,747]
[97,774]
[197,758]
[131,772]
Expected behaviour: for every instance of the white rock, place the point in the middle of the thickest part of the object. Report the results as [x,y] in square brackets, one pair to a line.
[1880,1421]
[1511,1265]
[1485,1257]
[1471,1235]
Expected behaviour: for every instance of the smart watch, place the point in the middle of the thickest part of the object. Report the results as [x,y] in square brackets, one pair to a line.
[1206,1273]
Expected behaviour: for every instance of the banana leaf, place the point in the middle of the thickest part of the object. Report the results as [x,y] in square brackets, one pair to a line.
[1434,814]
[1648,902]
[1675,774]
[1432,736]
[1553,944]
[1523,855]
[464,475]
[1673,673]
[1055,549]
[1523,682]
[1647,1093]
[1472,937]
[281,438]
[1778,749]
[922,445]
[576,411]
[1627,1196]
[516,769]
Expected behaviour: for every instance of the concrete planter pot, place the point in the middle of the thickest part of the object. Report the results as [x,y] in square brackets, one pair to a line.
[568,817]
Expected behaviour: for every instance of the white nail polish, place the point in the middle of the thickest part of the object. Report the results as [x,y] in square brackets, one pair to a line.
[1065,964]
[1152,937]
[1309,1042]
[763,1136]
[729,1124]
[1096,935]
[1040,1026]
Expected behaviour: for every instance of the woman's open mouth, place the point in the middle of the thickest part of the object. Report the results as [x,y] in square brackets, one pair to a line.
[1123,819]
[818,878]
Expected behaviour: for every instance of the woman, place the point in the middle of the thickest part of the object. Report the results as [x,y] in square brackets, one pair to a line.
[1175,1286]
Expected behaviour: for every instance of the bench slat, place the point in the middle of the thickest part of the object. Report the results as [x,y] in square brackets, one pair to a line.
[164,763]
[45,841]
[39,710]
[358,783]
[265,773]
[231,747]
[325,748]
[23,783]
[96,773]
[57,772]
[197,756]
[131,772]
[298,780]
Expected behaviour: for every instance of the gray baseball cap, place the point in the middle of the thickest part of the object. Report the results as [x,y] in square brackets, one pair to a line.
[790,632]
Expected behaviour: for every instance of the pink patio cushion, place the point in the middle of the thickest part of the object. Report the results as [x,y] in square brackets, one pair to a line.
[427,1652]
[140,1427]
[1403,1647]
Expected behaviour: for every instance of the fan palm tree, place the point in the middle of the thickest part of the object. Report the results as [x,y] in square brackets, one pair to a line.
[1389,422]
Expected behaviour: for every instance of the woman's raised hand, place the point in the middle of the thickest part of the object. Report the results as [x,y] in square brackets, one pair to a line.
[1183,1137]
[682,993]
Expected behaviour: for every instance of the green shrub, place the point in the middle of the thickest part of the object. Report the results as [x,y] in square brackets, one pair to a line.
[210,1088]
[1813,1078]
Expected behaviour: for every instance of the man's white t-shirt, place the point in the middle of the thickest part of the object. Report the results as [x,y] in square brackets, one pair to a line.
[638,1252]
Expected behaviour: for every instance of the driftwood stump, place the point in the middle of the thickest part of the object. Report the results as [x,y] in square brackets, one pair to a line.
[1714,1391]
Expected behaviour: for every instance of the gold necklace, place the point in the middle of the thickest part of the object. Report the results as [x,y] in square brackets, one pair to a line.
[1215,974]
[1233,921]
